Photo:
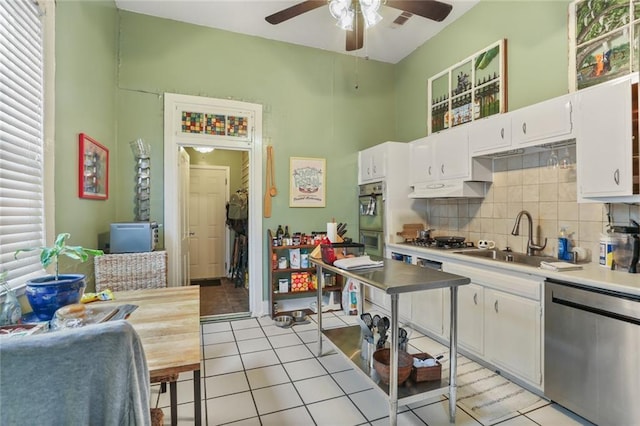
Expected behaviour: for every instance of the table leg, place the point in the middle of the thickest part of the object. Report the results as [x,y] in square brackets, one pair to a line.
[197,398]
[453,353]
[393,365]
[319,280]
[173,395]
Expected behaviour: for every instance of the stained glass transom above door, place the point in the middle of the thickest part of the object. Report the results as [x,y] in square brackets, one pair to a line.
[230,125]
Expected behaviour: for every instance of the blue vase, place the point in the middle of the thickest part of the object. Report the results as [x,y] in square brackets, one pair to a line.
[46,294]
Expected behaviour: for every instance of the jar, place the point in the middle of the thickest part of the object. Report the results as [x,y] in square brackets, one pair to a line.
[282,263]
[606,251]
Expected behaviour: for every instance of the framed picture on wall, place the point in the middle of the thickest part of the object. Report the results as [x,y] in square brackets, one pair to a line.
[307,182]
[602,41]
[93,179]
[471,89]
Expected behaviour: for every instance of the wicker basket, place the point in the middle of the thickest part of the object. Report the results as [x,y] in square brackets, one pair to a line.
[425,374]
[131,271]
[382,359]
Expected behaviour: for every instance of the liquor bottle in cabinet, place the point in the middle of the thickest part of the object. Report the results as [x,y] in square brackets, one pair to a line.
[293,282]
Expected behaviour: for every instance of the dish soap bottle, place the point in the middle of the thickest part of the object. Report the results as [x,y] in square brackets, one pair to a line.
[563,244]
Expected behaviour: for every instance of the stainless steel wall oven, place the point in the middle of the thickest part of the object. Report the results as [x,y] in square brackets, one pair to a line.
[371,218]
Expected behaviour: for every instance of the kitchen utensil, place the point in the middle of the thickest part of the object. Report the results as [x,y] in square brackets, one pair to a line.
[267,192]
[273,191]
[366,318]
[375,320]
[425,234]
[449,240]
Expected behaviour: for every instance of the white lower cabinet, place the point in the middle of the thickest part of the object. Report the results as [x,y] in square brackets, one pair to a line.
[513,341]
[427,309]
[500,320]
[470,318]
[382,300]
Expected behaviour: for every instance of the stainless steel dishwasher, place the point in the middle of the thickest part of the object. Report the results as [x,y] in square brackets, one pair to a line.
[592,350]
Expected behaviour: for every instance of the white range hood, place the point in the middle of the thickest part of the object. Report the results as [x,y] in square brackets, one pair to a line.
[449,189]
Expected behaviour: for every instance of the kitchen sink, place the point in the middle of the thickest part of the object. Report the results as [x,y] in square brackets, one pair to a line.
[509,257]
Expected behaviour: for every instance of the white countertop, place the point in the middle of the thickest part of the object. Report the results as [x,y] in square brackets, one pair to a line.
[591,274]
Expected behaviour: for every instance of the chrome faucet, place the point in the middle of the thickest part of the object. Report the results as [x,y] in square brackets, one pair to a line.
[531,247]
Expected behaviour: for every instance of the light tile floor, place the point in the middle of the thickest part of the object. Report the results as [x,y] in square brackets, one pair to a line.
[254,373]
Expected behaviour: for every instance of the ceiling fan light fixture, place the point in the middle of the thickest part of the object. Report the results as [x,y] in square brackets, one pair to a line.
[339,8]
[371,17]
[346,20]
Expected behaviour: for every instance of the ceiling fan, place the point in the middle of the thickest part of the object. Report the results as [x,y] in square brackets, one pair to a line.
[430,9]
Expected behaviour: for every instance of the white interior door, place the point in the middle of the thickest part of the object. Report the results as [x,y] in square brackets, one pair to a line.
[208,195]
[183,202]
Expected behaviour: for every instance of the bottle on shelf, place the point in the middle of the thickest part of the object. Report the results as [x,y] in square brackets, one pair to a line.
[279,234]
[286,237]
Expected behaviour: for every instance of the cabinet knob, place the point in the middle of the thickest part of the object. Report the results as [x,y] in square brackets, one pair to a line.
[524,128]
[475,298]
[495,306]
[429,170]
[616,176]
[502,133]
[442,169]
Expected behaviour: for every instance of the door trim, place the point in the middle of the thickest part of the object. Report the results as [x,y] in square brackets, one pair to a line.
[172,140]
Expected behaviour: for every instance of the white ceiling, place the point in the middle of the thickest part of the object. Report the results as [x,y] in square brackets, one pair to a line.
[385,42]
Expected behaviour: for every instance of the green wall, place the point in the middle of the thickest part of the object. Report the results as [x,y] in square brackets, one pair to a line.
[537,56]
[311,105]
[86,79]
[113,68]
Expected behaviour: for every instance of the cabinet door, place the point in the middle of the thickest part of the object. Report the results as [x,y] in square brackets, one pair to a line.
[471,317]
[452,153]
[513,334]
[604,142]
[427,310]
[490,135]
[365,166]
[421,164]
[544,120]
[378,161]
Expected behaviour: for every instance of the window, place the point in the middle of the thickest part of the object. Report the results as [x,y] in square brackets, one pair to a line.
[22,134]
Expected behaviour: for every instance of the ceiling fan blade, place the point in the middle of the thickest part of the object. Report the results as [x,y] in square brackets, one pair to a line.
[295,10]
[430,9]
[355,38]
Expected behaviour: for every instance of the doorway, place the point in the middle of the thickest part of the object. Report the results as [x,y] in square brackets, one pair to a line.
[176,138]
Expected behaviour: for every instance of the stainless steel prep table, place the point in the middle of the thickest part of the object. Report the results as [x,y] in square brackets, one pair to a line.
[395,278]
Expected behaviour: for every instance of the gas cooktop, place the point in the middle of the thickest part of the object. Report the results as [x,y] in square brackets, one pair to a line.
[442,243]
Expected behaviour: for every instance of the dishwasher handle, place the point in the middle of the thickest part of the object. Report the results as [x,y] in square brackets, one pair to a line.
[599,303]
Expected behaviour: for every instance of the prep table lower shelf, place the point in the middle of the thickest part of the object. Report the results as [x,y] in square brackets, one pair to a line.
[347,340]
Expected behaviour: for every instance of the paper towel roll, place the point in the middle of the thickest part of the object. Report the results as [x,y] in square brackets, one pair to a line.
[332,231]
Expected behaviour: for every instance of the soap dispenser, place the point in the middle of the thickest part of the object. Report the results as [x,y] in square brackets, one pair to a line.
[563,244]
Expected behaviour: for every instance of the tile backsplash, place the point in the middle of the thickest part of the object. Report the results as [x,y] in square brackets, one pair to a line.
[526,182]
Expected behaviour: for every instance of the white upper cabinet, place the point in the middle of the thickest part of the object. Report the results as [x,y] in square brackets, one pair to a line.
[607,144]
[545,121]
[372,164]
[451,153]
[422,161]
[490,135]
[441,156]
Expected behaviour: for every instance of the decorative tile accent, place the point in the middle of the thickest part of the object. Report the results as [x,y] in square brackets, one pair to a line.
[237,126]
[214,124]
[192,122]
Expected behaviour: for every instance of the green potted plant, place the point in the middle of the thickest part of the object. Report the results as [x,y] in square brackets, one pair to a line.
[48,293]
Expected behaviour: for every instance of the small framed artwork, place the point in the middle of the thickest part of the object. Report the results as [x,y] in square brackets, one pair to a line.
[307,182]
[93,180]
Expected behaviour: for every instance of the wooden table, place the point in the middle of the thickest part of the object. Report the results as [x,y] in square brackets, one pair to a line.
[168,322]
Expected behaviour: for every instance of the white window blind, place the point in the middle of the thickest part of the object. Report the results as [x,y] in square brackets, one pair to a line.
[21,137]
